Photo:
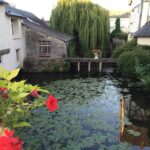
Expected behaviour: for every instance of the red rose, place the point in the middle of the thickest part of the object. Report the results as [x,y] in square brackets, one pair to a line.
[51,103]
[34,93]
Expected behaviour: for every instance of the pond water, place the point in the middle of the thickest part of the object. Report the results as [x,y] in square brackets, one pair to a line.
[91,116]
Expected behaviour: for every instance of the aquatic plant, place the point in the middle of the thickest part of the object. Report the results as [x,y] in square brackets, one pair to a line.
[87,117]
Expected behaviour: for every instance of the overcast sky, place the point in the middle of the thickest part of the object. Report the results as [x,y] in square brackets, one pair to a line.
[42,8]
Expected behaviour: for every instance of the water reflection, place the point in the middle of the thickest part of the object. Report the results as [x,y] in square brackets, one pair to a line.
[139,118]
[90,106]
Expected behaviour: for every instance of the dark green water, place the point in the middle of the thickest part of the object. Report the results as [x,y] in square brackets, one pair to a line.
[88,117]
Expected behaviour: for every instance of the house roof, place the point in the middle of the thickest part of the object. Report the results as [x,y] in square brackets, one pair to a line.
[3,2]
[144,31]
[31,21]
[124,15]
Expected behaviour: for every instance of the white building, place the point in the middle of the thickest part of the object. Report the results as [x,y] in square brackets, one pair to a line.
[26,38]
[143,35]
[12,39]
[140,14]
[124,22]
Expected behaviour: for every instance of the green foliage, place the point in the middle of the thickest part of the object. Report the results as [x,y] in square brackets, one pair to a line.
[129,46]
[121,35]
[143,72]
[128,60]
[126,63]
[14,103]
[117,28]
[87,22]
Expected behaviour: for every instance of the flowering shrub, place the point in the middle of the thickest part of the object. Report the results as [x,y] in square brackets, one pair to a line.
[51,103]
[8,142]
[15,105]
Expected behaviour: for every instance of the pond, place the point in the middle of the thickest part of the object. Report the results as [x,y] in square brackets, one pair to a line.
[91,116]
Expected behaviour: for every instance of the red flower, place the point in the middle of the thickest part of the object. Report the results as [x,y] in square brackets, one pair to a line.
[3,89]
[5,143]
[9,133]
[8,142]
[5,95]
[16,143]
[34,93]
[51,103]
[4,92]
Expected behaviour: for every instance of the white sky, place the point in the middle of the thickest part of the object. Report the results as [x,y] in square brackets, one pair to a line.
[42,8]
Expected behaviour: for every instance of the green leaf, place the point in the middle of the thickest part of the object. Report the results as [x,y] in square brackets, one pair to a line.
[42,90]
[21,124]
[21,96]
[3,72]
[13,74]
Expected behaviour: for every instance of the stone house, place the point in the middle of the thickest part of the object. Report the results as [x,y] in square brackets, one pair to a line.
[26,41]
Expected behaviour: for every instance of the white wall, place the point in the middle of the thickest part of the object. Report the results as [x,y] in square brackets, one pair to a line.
[143,41]
[135,15]
[8,41]
[124,24]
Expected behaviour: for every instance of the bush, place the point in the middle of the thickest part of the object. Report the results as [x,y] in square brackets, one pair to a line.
[121,35]
[146,81]
[126,64]
[129,46]
[128,60]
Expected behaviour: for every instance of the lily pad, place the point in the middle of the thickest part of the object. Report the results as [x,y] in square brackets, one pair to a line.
[134,133]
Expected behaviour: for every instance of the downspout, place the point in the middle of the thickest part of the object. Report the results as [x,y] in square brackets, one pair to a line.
[140,17]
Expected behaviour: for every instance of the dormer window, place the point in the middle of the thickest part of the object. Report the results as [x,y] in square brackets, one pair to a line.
[15,27]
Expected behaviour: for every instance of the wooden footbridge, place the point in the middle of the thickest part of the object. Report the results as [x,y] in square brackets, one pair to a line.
[89,61]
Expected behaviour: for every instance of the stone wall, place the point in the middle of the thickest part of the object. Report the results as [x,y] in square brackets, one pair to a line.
[45,65]
[58,48]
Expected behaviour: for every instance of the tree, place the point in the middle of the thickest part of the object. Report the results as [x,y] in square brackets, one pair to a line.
[117,28]
[87,22]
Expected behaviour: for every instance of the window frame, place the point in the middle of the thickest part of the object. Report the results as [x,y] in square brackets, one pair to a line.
[44,47]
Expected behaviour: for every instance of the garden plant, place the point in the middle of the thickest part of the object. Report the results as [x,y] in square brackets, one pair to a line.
[17,99]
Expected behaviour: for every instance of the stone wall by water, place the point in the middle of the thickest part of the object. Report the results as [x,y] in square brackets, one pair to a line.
[45,65]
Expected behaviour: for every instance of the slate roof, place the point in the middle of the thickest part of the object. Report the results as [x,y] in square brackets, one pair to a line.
[144,31]
[125,15]
[2,2]
[31,21]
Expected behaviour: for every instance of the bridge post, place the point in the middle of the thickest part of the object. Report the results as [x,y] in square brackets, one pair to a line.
[78,67]
[100,66]
[89,66]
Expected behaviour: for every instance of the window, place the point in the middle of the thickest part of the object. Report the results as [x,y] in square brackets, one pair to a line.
[44,48]
[17,54]
[15,27]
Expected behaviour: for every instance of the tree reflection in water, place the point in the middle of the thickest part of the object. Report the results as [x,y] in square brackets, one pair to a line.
[140,118]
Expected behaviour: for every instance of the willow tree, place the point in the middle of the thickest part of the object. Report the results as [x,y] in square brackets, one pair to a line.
[87,22]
